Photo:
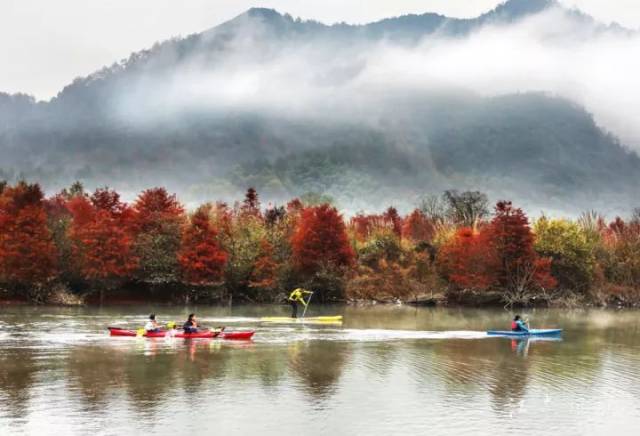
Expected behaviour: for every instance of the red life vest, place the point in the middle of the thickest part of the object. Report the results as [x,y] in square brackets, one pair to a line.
[514,325]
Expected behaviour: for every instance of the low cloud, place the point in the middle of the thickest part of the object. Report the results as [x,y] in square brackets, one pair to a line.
[556,52]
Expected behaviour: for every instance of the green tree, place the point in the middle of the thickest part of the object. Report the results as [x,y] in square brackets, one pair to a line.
[571,249]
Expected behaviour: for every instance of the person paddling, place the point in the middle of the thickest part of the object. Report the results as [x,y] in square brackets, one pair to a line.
[297,296]
[518,325]
[191,325]
[151,326]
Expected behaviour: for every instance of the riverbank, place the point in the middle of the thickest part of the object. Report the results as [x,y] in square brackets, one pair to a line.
[463,299]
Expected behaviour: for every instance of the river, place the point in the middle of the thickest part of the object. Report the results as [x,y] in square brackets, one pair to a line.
[386,370]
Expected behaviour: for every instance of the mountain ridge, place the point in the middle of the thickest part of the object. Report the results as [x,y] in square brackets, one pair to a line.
[150,120]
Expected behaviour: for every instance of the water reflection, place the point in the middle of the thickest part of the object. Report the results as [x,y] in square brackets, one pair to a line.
[85,376]
[509,380]
[17,376]
[318,366]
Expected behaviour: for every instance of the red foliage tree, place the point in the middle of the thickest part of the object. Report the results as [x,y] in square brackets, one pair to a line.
[393,219]
[365,226]
[501,254]
[201,259]
[27,253]
[512,239]
[155,209]
[102,237]
[361,226]
[417,227]
[264,274]
[108,200]
[469,260]
[320,239]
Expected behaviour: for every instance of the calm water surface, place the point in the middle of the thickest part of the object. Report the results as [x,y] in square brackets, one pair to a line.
[385,371]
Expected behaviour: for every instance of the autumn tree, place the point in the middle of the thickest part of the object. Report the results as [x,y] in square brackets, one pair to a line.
[570,248]
[469,260]
[265,272]
[102,238]
[59,222]
[393,220]
[417,227]
[201,259]
[27,253]
[520,268]
[320,242]
[622,243]
[157,221]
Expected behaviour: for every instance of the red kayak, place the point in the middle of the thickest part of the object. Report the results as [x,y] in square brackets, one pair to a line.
[229,335]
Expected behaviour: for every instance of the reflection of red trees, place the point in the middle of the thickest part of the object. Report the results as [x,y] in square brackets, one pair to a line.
[321,239]
[201,259]
[27,252]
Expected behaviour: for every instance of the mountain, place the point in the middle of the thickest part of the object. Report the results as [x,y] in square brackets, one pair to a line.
[292,106]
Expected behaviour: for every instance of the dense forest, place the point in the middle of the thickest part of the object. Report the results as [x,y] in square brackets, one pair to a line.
[77,246]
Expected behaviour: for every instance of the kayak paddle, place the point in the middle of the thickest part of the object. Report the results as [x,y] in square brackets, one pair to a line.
[307,305]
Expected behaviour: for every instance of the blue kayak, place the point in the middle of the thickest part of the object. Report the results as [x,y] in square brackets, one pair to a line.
[531,332]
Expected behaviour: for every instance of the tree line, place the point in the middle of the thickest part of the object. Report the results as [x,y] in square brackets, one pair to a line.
[451,246]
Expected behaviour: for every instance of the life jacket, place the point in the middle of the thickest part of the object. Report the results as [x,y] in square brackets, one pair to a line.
[514,326]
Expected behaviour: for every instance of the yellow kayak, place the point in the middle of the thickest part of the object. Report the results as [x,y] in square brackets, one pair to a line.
[309,319]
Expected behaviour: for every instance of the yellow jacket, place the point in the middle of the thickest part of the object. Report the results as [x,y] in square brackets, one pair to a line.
[297,295]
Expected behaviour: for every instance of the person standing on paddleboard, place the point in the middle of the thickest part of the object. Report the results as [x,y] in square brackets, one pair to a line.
[297,296]
[151,326]
[191,325]
[518,325]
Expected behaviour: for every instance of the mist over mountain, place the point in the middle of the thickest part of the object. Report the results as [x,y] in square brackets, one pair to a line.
[525,102]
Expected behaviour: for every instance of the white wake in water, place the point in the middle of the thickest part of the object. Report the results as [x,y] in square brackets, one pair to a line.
[283,335]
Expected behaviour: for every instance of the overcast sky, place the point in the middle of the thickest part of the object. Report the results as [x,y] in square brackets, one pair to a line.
[44,44]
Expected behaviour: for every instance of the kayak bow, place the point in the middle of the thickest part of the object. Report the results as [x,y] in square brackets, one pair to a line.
[531,332]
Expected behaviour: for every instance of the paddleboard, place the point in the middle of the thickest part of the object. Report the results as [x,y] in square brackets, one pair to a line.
[310,319]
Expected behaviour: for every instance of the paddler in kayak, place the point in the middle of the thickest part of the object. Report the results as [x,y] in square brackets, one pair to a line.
[297,296]
[518,325]
[191,325]
[152,325]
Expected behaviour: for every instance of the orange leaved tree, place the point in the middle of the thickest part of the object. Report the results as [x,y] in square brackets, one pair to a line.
[27,253]
[519,268]
[320,244]
[201,259]
[417,227]
[469,260]
[102,238]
